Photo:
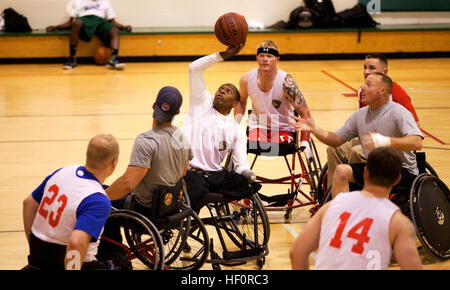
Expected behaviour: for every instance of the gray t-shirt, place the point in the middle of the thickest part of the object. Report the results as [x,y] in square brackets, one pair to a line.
[392,120]
[164,151]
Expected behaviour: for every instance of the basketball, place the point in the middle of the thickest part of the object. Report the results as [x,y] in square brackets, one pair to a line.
[231,29]
[102,55]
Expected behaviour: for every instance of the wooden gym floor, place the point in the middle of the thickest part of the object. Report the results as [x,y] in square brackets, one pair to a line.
[47,116]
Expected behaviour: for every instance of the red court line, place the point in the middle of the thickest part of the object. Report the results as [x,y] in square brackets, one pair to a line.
[339,81]
[433,137]
[350,95]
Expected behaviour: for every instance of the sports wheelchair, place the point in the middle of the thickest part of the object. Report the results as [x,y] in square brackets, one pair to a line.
[134,243]
[242,228]
[308,173]
[428,206]
[179,239]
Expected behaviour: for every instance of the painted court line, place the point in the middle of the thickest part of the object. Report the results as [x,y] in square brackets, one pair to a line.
[290,230]
[294,234]
[339,81]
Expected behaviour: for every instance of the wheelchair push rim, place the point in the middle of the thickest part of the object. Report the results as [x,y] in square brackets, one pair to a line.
[142,238]
[430,213]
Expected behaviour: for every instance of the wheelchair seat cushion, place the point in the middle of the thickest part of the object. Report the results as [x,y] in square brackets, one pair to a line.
[271,143]
[263,135]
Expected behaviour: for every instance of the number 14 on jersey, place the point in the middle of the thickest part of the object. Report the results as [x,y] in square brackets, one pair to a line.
[359,233]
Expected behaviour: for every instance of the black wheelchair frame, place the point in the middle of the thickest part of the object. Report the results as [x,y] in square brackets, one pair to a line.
[178,234]
[242,228]
[139,239]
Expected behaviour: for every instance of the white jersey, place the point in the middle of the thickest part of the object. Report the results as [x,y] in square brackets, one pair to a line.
[100,8]
[210,133]
[57,213]
[354,233]
[271,110]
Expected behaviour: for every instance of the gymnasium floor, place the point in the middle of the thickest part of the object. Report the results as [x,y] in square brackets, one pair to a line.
[47,116]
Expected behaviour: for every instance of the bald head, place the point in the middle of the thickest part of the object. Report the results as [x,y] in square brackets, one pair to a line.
[102,150]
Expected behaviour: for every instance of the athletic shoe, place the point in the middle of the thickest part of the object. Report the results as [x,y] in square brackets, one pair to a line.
[115,64]
[70,63]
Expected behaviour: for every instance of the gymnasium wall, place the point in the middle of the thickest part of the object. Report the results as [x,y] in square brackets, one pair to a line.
[152,13]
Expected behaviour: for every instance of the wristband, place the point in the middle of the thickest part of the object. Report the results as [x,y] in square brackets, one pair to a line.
[380,140]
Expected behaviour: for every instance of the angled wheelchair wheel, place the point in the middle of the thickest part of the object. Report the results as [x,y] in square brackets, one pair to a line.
[315,169]
[322,184]
[187,243]
[430,169]
[243,230]
[430,211]
[136,241]
[250,218]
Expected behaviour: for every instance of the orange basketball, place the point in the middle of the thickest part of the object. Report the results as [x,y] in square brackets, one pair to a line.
[231,29]
[102,55]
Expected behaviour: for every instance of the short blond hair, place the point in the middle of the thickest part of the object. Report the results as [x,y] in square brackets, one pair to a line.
[102,150]
[268,44]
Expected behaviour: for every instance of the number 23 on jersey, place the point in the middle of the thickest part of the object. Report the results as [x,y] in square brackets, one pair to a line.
[52,211]
[359,233]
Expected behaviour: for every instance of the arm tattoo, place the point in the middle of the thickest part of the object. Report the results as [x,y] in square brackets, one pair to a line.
[291,90]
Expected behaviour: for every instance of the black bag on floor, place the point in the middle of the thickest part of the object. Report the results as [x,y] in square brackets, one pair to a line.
[326,15]
[356,17]
[301,17]
[15,22]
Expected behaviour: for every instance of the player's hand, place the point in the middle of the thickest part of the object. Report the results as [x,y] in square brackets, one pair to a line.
[303,124]
[375,140]
[127,28]
[367,142]
[231,51]
[249,175]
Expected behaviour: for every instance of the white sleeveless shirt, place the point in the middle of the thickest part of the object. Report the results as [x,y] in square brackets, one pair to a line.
[270,110]
[355,233]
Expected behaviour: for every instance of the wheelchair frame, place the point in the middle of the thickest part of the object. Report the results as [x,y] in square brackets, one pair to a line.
[149,251]
[183,234]
[309,175]
[175,233]
[232,216]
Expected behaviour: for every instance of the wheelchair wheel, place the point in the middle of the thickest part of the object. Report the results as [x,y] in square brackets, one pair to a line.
[315,169]
[430,169]
[138,238]
[322,184]
[187,243]
[430,211]
[246,224]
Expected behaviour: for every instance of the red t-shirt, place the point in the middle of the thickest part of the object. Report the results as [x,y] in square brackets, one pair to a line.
[400,96]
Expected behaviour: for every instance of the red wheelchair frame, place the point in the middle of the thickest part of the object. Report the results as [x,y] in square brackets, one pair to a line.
[310,169]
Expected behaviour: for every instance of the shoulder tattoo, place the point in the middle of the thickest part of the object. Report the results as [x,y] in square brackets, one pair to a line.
[291,89]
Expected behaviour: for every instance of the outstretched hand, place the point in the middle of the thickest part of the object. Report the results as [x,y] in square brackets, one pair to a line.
[303,124]
[231,51]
